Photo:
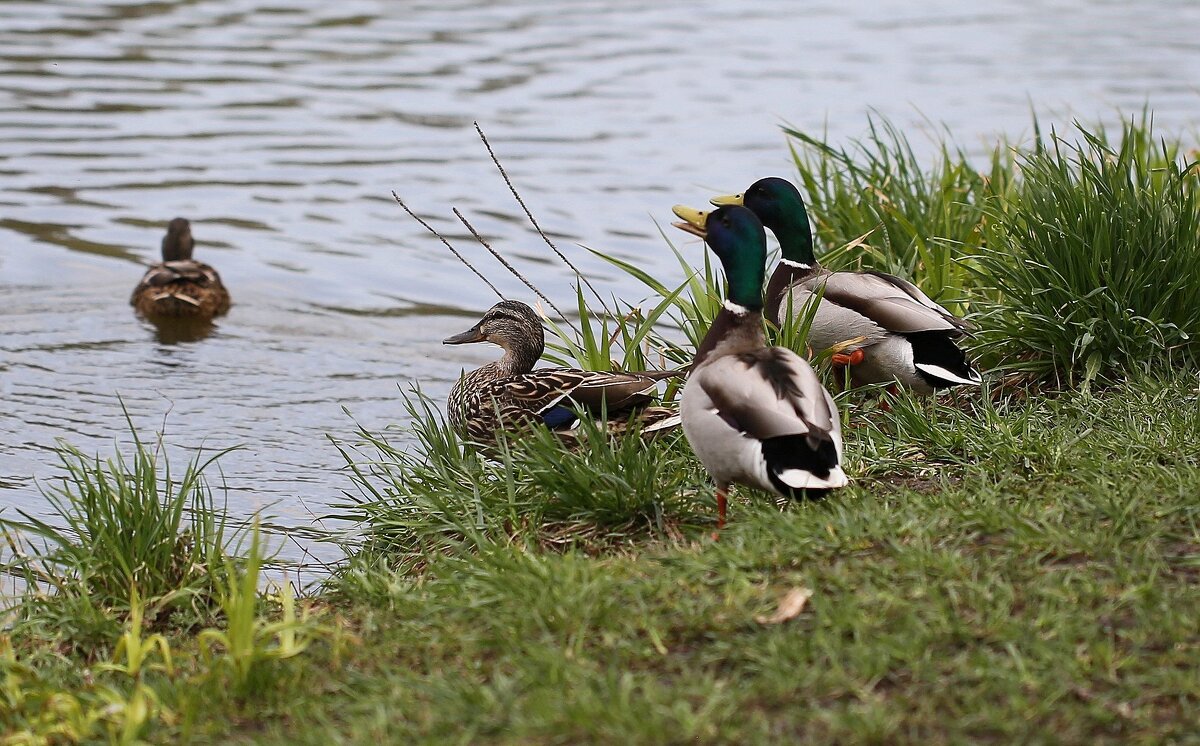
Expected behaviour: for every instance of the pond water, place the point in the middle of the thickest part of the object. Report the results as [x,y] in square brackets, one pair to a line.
[280,129]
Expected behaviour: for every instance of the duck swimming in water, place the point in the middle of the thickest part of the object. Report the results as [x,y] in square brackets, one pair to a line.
[180,287]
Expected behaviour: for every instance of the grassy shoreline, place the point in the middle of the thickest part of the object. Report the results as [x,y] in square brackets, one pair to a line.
[1018,565]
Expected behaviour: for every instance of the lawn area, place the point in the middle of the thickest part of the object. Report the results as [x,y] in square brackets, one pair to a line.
[1022,571]
[1013,565]
[1029,574]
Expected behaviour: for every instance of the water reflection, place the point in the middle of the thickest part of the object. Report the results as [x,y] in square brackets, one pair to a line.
[178,331]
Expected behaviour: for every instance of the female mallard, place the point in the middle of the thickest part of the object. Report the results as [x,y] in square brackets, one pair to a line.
[754,414]
[180,287]
[509,392]
[898,332]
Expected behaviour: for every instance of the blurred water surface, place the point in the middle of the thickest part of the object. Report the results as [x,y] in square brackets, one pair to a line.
[280,130]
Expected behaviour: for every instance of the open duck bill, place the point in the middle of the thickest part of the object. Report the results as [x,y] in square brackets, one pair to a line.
[695,221]
[471,335]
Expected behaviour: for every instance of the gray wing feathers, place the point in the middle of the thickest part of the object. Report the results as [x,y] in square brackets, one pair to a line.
[894,304]
[613,391]
[834,323]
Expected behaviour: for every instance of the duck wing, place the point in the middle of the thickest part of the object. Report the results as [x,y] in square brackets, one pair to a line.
[891,302]
[183,270]
[613,392]
[833,323]
[178,272]
[772,396]
[551,394]
[769,392]
[919,296]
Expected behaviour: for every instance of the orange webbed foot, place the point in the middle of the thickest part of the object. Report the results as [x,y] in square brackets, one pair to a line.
[842,359]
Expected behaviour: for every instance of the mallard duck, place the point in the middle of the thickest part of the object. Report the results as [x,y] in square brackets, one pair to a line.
[180,287]
[754,414]
[509,392]
[898,332]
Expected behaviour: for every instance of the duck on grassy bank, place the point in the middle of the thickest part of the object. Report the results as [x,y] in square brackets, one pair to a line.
[180,287]
[509,392]
[905,336]
[754,415]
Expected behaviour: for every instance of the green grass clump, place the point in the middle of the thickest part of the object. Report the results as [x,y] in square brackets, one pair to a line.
[104,643]
[1093,256]
[250,642]
[1076,255]
[621,339]
[692,305]
[446,494]
[118,524]
[920,221]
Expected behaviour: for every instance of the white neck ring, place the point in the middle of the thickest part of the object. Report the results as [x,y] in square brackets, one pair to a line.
[734,308]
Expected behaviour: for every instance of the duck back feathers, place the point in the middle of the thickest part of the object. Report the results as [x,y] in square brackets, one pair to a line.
[481,404]
[180,287]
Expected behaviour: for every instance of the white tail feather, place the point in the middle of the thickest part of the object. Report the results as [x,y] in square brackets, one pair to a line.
[176,296]
[798,479]
[938,371]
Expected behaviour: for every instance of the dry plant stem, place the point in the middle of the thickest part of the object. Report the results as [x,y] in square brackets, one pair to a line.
[533,220]
[509,267]
[441,238]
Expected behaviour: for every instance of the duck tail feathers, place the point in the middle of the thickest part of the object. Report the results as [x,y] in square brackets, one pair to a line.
[665,423]
[802,461]
[940,361]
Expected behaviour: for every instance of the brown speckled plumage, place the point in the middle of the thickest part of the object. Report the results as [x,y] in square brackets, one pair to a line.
[509,393]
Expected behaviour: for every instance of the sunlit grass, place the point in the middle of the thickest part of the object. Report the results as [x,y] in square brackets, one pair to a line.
[1093,257]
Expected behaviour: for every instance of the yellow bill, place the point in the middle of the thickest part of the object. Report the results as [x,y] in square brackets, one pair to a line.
[729,199]
[694,220]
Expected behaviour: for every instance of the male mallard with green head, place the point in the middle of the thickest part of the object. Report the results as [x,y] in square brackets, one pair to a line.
[509,392]
[902,335]
[754,414]
[180,287]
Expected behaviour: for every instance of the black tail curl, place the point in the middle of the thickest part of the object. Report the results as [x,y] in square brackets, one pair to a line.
[810,453]
[938,348]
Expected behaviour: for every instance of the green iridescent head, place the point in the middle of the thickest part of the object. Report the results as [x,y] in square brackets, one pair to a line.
[736,236]
[779,206]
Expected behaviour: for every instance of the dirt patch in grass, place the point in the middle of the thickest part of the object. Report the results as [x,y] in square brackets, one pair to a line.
[1183,560]
[927,483]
